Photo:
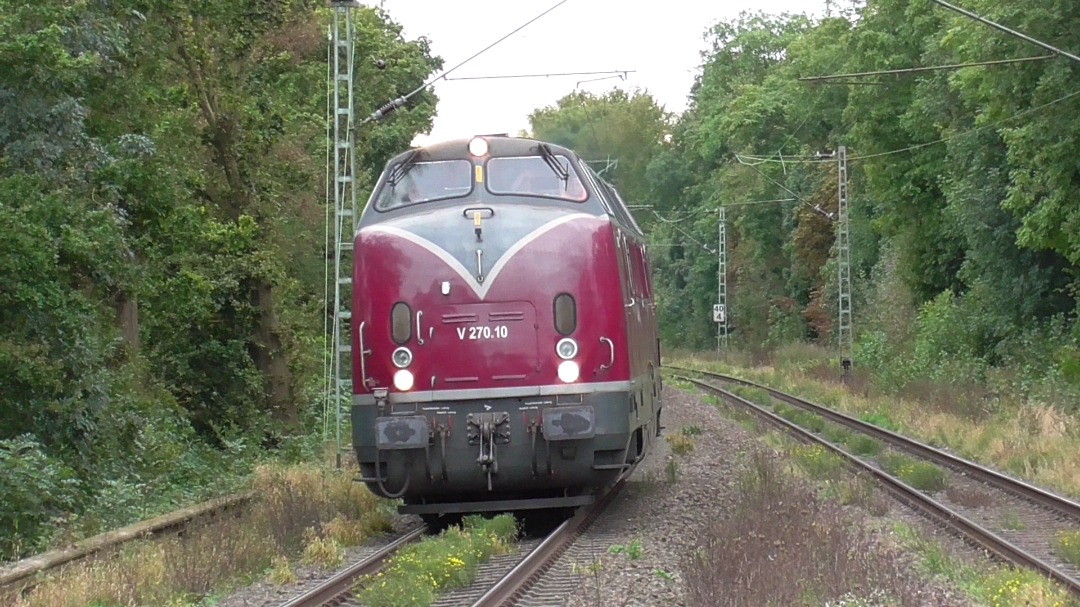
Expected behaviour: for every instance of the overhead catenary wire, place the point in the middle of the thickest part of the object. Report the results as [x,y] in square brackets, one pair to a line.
[550,75]
[918,70]
[1007,30]
[758,160]
[394,104]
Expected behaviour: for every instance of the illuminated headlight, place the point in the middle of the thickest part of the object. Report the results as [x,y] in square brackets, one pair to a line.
[566,348]
[403,380]
[478,146]
[402,358]
[568,371]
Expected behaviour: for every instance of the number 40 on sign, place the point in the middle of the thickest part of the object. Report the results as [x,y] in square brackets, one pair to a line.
[719,313]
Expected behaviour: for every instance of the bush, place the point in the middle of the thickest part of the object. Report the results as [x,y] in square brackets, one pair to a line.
[35,489]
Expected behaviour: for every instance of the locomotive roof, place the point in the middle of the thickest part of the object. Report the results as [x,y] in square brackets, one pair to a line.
[498,145]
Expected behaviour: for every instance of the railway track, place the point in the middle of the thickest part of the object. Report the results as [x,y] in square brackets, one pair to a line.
[521,571]
[1037,515]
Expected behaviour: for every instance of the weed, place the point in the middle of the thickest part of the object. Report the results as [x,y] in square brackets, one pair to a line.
[692,430]
[808,550]
[419,572]
[1067,546]
[263,538]
[879,419]
[680,443]
[924,476]
[346,532]
[1011,520]
[969,497]
[812,422]
[592,568]
[1009,587]
[860,444]
[663,574]
[281,572]
[633,550]
[837,433]
[671,471]
[817,461]
[324,552]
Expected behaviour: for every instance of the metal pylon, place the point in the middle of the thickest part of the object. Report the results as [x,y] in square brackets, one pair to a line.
[721,280]
[346,213]
[843,254]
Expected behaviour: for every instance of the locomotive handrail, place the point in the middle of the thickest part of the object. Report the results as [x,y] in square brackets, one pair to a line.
[363,353]
[419,334]
[611,345]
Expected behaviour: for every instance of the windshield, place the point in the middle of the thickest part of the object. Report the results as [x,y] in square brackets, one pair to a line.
[407,184]
[534,176]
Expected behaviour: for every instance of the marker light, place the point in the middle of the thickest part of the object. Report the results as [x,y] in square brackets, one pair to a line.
[568,371]
[402,358]
[478,146]
[566,348]
[403,380]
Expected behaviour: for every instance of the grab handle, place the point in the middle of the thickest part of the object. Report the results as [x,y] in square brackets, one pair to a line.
[363,355]
[419,335]
[611,346]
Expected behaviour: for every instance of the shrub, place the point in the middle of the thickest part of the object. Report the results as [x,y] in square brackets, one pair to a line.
[680,443]
[34,489]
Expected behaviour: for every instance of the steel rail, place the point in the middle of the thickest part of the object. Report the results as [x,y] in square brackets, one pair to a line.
[909,495]
[342,583]
[1042,497]
[513,586]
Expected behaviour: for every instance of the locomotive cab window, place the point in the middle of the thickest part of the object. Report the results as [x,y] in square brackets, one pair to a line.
[408,183]
[550,177]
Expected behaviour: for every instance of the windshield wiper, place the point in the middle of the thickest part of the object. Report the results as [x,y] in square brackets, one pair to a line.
[402,169]
[563,173]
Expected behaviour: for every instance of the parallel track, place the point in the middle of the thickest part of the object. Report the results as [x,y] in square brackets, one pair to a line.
[974,532]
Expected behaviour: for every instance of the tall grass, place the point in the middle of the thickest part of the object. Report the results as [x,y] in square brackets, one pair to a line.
[301,509]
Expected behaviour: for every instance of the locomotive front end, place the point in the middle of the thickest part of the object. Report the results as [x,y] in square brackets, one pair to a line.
[493,363]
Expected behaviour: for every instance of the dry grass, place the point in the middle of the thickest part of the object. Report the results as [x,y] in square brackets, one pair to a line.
[304,509]
[792,548]
[1033,440]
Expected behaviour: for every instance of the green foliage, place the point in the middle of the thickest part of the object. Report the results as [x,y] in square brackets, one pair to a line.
[860,444]
[818,462]
[161,243]
[419,572]
[1067,546]
[34,488]
[919,474]
[625,128]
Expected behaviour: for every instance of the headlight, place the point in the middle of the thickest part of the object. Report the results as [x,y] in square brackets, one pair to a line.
[402,358]
[566,348]
[478,146]
[568,371]
[403,380]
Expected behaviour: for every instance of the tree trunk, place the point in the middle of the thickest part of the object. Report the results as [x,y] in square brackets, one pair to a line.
[127,318]
[270,358]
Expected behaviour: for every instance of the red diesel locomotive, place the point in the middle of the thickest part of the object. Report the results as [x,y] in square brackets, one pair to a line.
[505,342]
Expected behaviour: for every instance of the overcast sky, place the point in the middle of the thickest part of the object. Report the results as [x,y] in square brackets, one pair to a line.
[660,41]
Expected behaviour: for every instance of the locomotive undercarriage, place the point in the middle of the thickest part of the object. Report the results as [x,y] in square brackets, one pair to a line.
[502,453]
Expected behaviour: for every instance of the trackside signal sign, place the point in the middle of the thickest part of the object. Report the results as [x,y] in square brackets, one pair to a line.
[719,313]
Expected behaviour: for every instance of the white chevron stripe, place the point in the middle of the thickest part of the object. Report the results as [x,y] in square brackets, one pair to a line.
[479,289]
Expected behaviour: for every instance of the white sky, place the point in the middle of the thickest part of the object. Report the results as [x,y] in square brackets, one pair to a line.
[662,41]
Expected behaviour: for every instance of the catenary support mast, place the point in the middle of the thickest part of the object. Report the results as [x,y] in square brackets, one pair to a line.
[721,314]
[843,263]
[346,213]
